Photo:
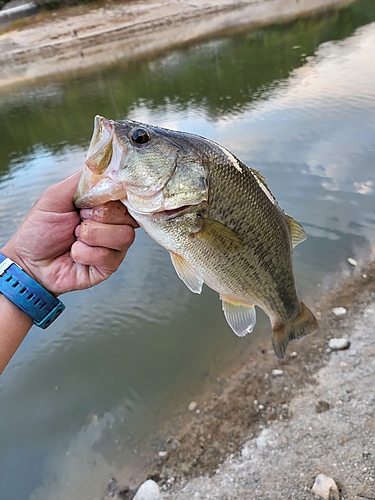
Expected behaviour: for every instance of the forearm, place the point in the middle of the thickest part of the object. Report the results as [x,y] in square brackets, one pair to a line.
[14,326]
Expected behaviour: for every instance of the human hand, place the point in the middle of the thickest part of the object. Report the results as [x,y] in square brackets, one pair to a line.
[62,252]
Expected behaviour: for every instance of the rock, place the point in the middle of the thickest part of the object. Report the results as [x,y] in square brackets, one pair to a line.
[175,444]
[114,490]
[192,406]
[111,486]
[163,454]
[338,344]
[352,261]
[339,311]
[325,487]
[149,490]
[277,373]
[322,406]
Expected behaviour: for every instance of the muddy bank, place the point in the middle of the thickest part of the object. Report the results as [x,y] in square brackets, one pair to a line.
[75,41]
[275,425]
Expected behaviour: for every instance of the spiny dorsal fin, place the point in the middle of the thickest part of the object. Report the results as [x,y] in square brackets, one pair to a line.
[219,236]
[186,272]
[259,176]
[240,317]
[263,185]
[296,231]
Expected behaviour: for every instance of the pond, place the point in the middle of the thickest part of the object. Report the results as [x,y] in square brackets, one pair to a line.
[83,400]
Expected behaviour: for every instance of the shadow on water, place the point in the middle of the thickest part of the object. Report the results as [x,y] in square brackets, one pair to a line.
[296,101]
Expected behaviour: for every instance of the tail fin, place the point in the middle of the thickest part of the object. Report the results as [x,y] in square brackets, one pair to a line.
[302,325]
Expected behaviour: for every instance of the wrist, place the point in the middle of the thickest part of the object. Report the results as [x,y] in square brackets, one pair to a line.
[27,294]
[9,251]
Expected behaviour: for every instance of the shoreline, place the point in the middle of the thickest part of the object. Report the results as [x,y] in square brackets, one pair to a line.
[300,415]
[74,41]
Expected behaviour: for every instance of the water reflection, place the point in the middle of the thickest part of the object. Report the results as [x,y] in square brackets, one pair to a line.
[78,399]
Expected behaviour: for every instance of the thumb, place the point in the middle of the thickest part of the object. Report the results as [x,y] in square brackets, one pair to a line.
[59,197]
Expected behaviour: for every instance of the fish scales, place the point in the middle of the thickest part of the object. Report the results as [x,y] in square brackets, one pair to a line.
[215,216]
[236,200]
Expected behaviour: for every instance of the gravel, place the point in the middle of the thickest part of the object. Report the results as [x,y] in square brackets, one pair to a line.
[331,430]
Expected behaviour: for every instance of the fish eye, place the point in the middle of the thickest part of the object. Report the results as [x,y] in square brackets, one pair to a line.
[140,136]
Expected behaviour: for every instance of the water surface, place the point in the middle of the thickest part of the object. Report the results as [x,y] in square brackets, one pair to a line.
[80,401]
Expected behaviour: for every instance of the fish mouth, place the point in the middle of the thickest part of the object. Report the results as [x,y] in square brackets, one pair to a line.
[99,180]
[104,177]
[101,148]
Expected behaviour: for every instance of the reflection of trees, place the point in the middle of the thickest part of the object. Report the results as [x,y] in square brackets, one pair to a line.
[218,77]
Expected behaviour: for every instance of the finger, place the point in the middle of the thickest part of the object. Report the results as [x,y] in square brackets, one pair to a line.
[59,197]
[100,257]
[113,212]
[115,236]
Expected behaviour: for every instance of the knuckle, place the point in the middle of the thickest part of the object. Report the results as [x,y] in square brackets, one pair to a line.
[99,213]
[125,238]
[86,231]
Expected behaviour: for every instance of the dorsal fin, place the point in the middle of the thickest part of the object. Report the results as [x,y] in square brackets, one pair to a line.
[260,177]
[296,231]
[263,185]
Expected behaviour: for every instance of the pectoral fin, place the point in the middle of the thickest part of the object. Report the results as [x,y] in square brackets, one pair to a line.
[185,272]
[219,236]
[296,231]
[240,317]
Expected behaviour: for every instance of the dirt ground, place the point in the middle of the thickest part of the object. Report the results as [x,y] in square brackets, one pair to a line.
[263,434]
[273,432]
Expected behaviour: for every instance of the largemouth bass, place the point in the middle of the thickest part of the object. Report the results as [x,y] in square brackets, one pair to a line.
[216,217]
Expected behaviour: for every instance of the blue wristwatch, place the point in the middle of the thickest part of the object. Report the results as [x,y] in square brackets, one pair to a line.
[27,294]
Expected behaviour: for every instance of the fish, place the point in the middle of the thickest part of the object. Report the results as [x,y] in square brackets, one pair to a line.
[215,216]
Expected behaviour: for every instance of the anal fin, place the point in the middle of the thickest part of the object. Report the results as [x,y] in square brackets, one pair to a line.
[240,317]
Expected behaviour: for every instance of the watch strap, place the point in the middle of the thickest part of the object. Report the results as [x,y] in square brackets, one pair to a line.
[28,294]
